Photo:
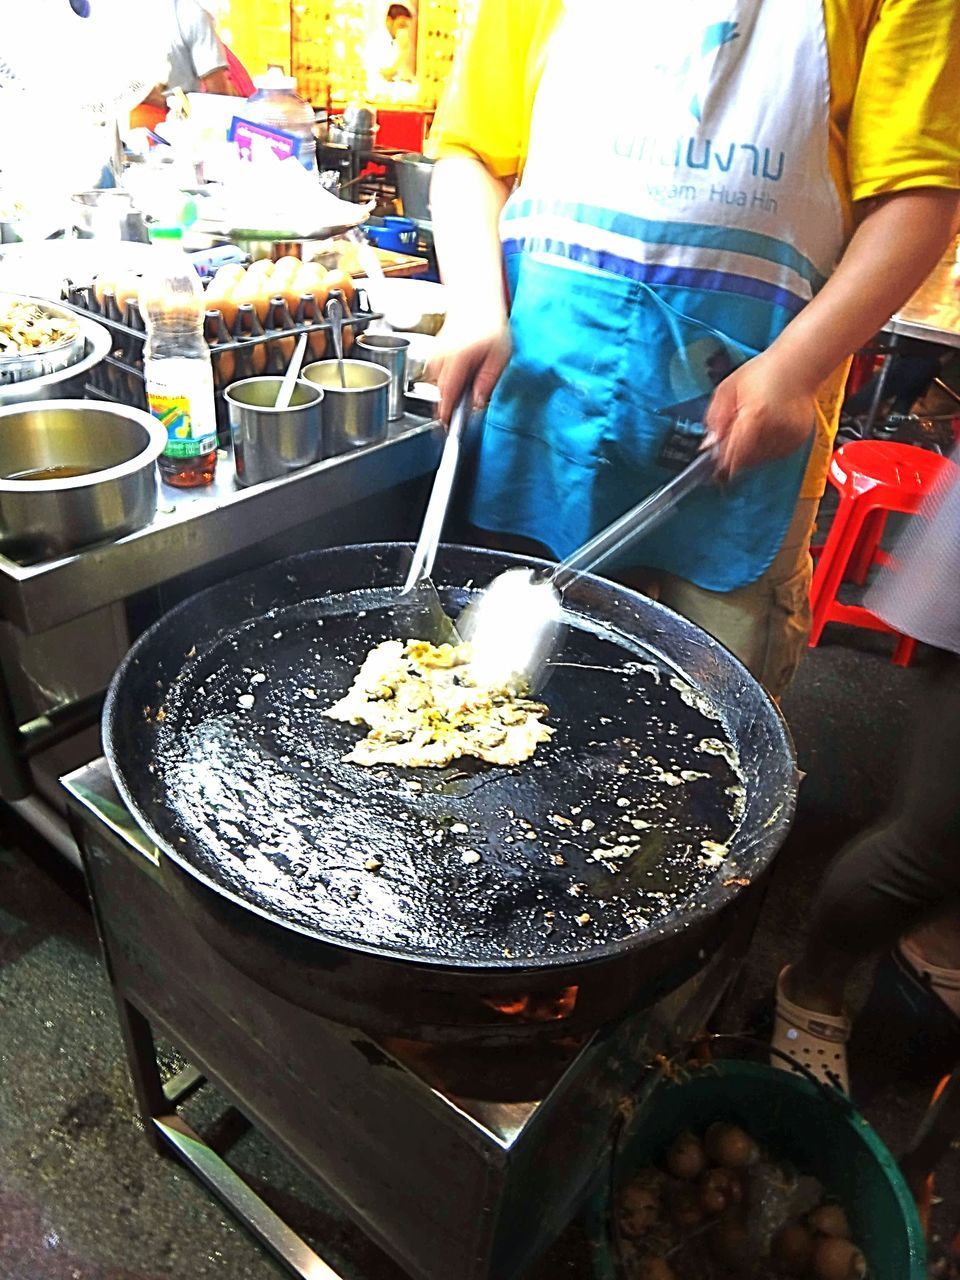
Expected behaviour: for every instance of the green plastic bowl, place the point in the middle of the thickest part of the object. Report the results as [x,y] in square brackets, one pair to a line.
[793,1120]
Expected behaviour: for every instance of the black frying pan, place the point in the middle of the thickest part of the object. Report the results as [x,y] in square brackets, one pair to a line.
[213,731]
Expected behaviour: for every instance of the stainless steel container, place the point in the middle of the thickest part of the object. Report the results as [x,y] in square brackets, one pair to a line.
[413,175]
[69,381]
[107,214]
[269,442]
[73,472]
[34,364]
[389,351]
[354,415]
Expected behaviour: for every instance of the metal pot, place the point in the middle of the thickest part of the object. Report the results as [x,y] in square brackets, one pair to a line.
[96,344]
[108,212]
[73,472]
[413,175]
[269,442]
[354,415]
[51,359]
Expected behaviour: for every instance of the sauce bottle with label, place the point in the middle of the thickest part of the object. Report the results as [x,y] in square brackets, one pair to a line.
[176,361]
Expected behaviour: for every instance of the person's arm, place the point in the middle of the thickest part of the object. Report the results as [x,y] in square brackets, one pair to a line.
[156,97]
[465,202]
[219,82]
[479,139]
[765,409]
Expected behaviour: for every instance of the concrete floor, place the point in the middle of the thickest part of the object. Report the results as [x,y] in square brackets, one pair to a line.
[83,1197]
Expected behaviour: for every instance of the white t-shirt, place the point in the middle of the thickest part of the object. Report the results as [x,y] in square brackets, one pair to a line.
[195,50]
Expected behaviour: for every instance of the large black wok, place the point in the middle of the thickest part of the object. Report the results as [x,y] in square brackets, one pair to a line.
[213,732]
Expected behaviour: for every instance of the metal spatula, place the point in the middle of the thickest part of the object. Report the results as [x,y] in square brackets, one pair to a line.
[419,609]
[285,394]
[515,625]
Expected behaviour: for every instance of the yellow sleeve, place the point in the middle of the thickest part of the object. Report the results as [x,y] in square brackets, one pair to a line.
[905,124]
[486,105]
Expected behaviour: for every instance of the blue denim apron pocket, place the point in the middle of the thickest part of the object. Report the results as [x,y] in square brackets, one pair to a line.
[554,405]
[602,401]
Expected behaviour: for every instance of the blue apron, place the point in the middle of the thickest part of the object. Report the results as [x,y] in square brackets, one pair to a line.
[650,250]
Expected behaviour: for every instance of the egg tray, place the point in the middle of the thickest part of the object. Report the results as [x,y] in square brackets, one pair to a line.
[250,349]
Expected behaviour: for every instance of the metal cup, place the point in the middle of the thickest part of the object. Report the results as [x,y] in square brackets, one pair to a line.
[354,415]
[269,442]
[390,353]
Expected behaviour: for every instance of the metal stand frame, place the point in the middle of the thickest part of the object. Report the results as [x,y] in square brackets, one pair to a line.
[170,1135]
[445,1185]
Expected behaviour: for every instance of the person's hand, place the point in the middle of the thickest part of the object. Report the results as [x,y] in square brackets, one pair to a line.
[468,352]
[761,412]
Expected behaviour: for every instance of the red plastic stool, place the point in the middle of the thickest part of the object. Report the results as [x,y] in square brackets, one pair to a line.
[873,477]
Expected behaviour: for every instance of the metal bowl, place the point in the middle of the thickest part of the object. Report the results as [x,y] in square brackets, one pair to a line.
[354,415]
[69,381]
[269,442]
[73,472]
[51,359]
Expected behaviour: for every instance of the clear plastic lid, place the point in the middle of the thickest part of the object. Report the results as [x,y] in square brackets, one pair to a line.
[274,79]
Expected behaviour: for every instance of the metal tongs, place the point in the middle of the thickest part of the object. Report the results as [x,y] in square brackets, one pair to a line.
[515,624]
[419,611]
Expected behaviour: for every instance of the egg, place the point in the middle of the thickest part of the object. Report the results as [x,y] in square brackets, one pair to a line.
[225,305]
[126,290]
[226,277]
[730,1244]
[281,352]
[311,282]
[341,281]
[685,1207]
[255,290]
[655,1269]
[730,1146]
[685,1157]
[224,368]
[285,268]
[313,278]
[720,1189]
[792,1249]
[829,1220]
[254,359]
[836,1259]
[263,266]
[102,285]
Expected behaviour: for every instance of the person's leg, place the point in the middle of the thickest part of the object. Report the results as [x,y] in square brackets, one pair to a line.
[937,941]
[931,953]
[888,882]
[765,624]
[898,875]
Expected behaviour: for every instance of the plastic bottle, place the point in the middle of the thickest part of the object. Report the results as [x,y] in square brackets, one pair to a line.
[277,105]
[176,361]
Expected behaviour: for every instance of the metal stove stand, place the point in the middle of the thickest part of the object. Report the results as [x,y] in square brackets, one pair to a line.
[451,1188]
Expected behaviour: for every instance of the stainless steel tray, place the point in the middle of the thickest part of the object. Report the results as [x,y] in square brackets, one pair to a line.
[194,528]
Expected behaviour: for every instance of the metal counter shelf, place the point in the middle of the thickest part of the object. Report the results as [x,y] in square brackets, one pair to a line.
[193,528]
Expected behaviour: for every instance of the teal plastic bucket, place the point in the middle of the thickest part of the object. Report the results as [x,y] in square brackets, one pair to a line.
[792,1120]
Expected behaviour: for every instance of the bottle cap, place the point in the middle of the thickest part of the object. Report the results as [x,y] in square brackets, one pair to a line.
[275,78]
